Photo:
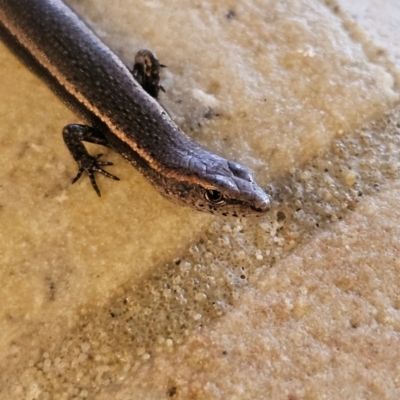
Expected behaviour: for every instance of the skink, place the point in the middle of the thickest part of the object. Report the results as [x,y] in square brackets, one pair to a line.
[56,44]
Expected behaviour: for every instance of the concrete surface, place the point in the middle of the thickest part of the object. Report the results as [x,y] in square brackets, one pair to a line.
[129,296]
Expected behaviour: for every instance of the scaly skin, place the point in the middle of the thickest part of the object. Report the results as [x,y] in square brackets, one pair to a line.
[51,39]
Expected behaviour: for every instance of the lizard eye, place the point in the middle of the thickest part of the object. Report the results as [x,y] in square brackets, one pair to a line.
[214,197]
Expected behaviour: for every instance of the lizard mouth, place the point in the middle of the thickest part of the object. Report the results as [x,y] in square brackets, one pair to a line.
[263,205]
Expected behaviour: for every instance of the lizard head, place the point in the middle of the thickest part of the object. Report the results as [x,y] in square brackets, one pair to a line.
[222,187]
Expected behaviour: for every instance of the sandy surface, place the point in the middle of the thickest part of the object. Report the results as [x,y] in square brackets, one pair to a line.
[129,294]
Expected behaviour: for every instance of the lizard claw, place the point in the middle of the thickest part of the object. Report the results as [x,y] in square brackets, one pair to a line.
[90,164]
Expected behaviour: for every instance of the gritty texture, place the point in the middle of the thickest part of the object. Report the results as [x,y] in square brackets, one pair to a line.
[289,333]
[211,279]
[109,299]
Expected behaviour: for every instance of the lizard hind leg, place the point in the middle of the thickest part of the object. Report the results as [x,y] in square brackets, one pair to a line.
[146,71]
